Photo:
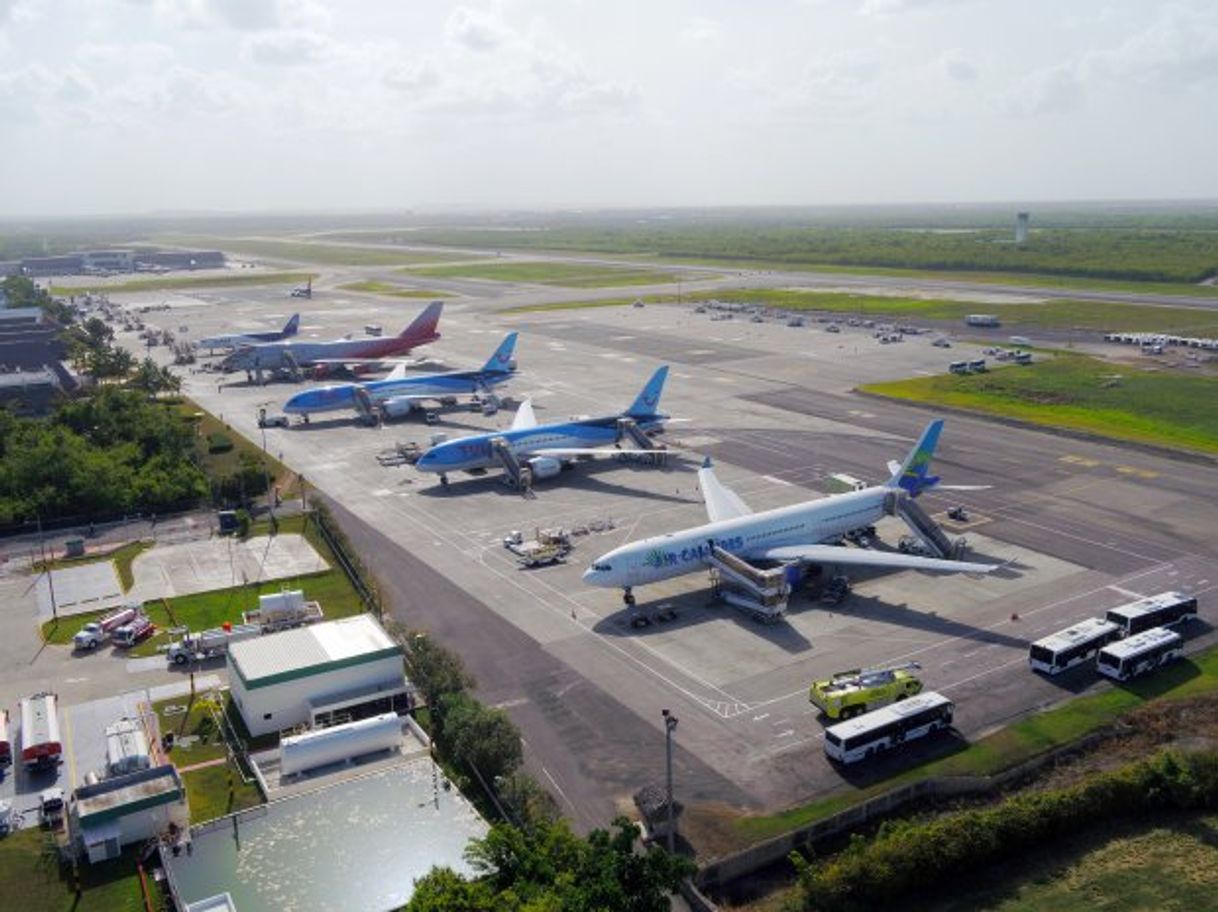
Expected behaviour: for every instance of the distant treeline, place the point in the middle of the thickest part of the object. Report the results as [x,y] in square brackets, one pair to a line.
[1138,255]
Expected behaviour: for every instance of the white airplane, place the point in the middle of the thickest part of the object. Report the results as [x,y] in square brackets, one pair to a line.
[805,533]
[241,340]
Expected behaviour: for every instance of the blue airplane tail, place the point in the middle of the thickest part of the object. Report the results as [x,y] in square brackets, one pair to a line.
[501,361]
[913,475]
[292,326]
[647,404]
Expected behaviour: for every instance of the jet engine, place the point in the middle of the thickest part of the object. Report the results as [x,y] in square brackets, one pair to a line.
[544,467]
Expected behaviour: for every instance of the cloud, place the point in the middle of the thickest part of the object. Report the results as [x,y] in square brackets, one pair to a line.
[700,31]
[1052,90]
[895,7]
[37,94]
[477,30]
[957,67]
[287,48]
[1179,50]
[242,15]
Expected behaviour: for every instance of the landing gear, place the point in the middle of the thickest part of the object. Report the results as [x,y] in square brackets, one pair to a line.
[306,417]
[444,479]
[628,597]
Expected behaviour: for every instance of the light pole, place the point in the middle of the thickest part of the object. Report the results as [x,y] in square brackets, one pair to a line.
[670,725]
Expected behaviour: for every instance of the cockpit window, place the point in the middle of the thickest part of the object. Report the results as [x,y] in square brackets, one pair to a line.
[603,568]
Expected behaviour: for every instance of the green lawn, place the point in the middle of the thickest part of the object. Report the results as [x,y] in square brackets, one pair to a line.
[600,302]
[176,283]
[1169,864]
[32,880]
[219,464]
[568,275]
[393,291]
[218,790]
[302,251]
[1081,393]
[1061,314]
[1012,745]
[204,741]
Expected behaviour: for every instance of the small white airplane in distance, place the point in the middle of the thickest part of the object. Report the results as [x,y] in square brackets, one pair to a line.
[805,533]
[241,340]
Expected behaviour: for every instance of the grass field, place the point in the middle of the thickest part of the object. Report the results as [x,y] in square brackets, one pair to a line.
[393,291]
[322,254]
[1011,745]
[1171,864]
[1080,393]
[1062,314]
[218,465]
[567,275]
[179,283]
[32,880]
[204,740]
[218,790]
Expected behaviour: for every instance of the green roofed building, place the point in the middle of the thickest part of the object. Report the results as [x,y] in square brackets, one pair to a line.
[338,670]
[122,810]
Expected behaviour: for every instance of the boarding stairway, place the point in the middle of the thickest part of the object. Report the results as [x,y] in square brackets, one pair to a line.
[517,474]
[761,593]
[628,429]
[924,528]
[365,407]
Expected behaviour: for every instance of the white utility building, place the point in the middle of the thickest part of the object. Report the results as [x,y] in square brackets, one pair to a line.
[134,808]
[334,671]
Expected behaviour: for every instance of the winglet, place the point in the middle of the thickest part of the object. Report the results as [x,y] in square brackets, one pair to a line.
[525,418]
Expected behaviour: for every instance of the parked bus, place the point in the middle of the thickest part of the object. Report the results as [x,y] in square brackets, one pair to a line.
[864,736]
[1163,610]
[1140,653]
[1069,647]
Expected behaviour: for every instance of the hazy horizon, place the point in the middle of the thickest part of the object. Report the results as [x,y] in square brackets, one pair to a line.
[234,107]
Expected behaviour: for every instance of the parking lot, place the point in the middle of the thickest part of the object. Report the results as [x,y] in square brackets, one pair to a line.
[1081,526]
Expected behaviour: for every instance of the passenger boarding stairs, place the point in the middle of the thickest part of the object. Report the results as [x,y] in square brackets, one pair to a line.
[365,407]
[927,531]
[628,428]
[518,475]
[762,593]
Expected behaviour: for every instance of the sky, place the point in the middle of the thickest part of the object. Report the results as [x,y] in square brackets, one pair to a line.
[135,106]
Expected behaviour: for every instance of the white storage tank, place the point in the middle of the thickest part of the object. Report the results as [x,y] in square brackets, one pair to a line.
[277,606]
[126,747]
[300,753]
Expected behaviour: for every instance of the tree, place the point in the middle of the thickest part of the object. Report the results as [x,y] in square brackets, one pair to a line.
[482,739]
[549,869]
[434,670]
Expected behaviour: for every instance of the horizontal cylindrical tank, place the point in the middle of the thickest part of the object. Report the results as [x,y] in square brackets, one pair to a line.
[299,753]
[126,747]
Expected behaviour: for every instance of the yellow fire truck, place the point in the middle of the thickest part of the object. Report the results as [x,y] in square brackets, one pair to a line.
[852,693]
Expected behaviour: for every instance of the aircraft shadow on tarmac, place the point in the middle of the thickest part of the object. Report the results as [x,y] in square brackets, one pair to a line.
[692,609]
[584,477]
[872,609]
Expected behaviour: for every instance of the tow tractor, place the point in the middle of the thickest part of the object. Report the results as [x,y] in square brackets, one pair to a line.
[852,693]
[548,546]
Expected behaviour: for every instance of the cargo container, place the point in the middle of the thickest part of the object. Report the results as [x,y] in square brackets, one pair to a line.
[40,743]
[283,610]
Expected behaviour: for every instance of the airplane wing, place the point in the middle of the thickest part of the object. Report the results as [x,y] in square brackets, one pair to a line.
[862,557]
[721,501]
[602,453]
[525,418]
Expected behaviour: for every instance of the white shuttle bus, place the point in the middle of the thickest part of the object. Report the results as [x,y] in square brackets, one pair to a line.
[866,735]
[1069,647]
[1163,610]
[1140,653]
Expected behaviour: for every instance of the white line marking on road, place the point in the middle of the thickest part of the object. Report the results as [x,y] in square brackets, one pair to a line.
[1128,592]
